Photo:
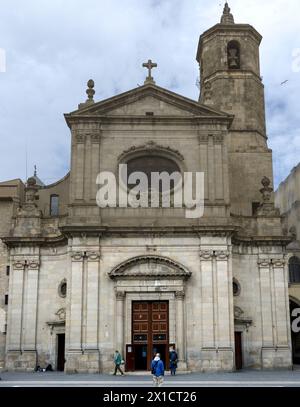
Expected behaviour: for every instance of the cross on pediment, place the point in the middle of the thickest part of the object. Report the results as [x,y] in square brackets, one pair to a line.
[149,65]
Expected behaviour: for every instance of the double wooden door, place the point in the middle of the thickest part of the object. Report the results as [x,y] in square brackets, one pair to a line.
[150,334]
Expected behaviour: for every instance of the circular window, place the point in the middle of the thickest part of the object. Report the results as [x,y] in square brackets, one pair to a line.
[62,289]
[236,287]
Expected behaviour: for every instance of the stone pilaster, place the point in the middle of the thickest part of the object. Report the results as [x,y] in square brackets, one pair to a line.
[276,349]
[21,346]
[120,297]
[180,330]
[217,311]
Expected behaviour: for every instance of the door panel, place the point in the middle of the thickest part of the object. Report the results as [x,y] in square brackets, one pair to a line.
[150,331]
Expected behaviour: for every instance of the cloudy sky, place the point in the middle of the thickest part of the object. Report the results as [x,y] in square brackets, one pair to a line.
[53,47]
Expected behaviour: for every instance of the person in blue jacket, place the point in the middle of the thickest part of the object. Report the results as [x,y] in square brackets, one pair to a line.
[158,371]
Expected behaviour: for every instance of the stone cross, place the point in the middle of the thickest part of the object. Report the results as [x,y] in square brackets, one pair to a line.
[149,65]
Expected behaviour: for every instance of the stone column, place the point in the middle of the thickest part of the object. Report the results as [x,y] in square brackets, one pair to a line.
[180,329]
[74,350]
[92,297]
[207,298]
[266,303]
[120,297]
[15,310]
[29,357]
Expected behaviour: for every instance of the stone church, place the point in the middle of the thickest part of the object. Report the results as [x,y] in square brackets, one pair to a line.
[79,281]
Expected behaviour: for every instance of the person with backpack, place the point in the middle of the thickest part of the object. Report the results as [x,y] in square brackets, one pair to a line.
[157,370]
[173,361]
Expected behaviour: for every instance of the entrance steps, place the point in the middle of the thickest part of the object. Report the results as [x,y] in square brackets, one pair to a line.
[148,373]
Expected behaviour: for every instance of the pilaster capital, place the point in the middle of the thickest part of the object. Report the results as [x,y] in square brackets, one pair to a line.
[93,256]
[179,295]
[33,264]
[263,263]
[120,295]
[222,255]
[77,256]
[206,254]
[19,264]
[278,263]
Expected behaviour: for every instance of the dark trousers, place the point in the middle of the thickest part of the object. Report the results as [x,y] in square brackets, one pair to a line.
[118,368]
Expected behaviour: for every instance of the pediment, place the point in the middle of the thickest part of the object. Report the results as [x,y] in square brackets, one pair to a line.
[147,99]
[149,266]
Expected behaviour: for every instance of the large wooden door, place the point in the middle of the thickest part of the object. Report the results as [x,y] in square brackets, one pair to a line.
[150,332]
[238,350]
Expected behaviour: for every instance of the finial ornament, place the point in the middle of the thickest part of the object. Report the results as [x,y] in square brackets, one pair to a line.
[35,172]
[227,17]
[149,65]
[90,91]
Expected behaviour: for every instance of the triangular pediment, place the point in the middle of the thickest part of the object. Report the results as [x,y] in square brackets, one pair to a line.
[149,266]
[147,100]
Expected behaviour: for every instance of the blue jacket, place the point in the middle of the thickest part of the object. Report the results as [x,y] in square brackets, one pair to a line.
[159,367]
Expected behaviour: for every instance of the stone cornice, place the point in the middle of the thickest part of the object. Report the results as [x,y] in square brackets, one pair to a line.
[170,268]
[34,241]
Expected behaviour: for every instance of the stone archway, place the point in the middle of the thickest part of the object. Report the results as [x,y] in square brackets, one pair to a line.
[151,278]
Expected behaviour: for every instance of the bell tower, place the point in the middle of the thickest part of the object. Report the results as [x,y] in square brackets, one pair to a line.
[228,55]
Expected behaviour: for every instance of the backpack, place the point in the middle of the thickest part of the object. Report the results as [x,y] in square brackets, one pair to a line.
[154,367]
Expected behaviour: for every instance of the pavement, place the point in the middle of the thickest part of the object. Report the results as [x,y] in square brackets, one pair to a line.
[244,378]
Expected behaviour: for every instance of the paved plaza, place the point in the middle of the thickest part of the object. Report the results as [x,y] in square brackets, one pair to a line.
[236,379]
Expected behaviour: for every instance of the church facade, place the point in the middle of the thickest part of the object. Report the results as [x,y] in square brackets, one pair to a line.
[81,281]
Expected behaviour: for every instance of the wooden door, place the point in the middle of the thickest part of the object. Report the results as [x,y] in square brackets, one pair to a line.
[238,350]
[130,358]
[150,328]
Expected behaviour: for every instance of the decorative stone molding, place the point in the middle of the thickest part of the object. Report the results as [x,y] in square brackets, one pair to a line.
[77,256]
[80,138]
[179,295]
[280,263]
[238,312]
[95,137]
[221,255]
[203,138]
[61,313]
[206,254]
[18,265]
[218,138]
[151,266]
[264,263]
[33,264]
[151,146]
[120,295]
[93,256]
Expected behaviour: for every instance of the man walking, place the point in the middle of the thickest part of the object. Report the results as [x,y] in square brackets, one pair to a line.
[158,371]
[118,362]
[173,361]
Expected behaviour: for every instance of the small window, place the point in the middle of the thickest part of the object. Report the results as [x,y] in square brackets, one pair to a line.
[236,287]
[7,270]
[294,270]
[54,204]
[6,299]
[233,55]
[62,289]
